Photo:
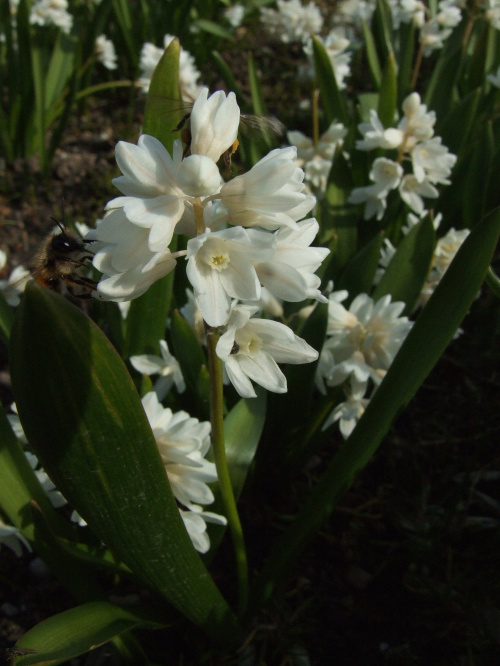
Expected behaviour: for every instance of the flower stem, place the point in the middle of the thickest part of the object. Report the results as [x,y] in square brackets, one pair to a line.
[228,499]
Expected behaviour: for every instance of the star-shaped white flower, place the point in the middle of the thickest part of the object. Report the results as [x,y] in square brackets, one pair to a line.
[252,348]
[166,366]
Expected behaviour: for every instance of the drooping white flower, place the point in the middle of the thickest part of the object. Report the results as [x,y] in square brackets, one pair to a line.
[374,199]
[183,443]
[289,274]
[105,52]
[417,123]
[195,521]
[252,348]
[166,366]
[292,21]
[270,195]
[335,45]
[349,412]
[221,267]
[122,254]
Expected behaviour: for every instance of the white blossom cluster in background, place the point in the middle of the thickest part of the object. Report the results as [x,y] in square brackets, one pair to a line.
[52,12]
[295,22]
[244,235]
[361,343]
[446,248]
[316,160]
[188,73]
[105,52]
[292,21]
[414,142]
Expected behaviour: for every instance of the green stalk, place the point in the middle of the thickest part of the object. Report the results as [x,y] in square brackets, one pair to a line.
[219,450]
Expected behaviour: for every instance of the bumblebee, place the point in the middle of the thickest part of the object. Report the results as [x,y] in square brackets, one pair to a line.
[59,262]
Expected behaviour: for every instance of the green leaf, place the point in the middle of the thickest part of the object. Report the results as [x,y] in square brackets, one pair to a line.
[421,350]
[90,433]
[475,182]
[388,98]
[214,29]
[338,217]
[242,431]
[462,115]
[405,59]
[153,308]
[60,68]
[403,279]
[331,97]
[358,276]
[189,353]
[371,55]
[6,319]
[382,29]
[164,106]
[67,635]
[493,282]
[19,486]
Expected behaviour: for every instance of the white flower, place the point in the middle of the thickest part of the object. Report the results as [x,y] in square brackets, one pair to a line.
[412,191]
[376,136]
[52,12]
[234,15]
[417,123]
[374,199]
[386,174]
[251,349]
[167,367]
[122,254]
[289,274]
[220,268]
[183,443]
[363,340]
[195,521]
[105,52]
[12,287]
[214,124]
[11,537]
[335,45]
[432,161]
[292,22]
[188,74]
[351,410]
[271,195]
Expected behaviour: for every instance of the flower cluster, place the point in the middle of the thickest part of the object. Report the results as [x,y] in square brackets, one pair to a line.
[414,141]
[335,45]
[105,52]
[361,344]
[446,248]
[244,235]
[292,21]
[316,160]
[183,443]
[188,74]
[52,12]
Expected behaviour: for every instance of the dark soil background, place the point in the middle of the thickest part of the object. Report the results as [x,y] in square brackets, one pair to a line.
[406,571]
